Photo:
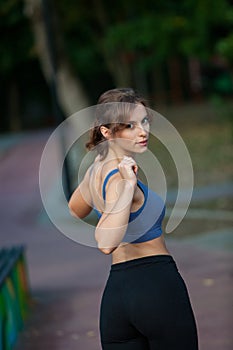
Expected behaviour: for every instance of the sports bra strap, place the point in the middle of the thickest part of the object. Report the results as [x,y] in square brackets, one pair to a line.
[112,172]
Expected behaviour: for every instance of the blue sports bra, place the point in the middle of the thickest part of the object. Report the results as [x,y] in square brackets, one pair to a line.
[145,223]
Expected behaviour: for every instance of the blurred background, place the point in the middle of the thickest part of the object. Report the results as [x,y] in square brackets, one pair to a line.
[56,58]
[174,52]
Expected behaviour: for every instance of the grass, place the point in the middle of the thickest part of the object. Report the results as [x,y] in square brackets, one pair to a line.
[210,148]
[209,141]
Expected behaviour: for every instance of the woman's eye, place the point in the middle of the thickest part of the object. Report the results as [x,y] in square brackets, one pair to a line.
[145,121]
[129,125]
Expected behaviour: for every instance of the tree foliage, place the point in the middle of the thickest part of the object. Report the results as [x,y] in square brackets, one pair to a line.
[142,32]
[139,35]
[122,43]
[16,37]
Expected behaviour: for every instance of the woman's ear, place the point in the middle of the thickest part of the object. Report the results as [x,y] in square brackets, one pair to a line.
[105,132]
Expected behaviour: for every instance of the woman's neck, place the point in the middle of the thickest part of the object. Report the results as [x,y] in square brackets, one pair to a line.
[118,153]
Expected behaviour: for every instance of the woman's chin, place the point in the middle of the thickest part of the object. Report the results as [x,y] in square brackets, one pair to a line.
[142,150]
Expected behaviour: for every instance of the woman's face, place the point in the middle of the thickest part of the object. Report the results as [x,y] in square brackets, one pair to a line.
[134,137]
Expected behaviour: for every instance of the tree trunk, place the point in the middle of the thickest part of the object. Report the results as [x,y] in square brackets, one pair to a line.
[67,91]
[158,84]
[69,88]
[195,78]
[120,69]
[119,66]
[15,123]
[175,80]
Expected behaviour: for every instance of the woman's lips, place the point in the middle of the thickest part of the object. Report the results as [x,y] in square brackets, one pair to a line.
[143,143]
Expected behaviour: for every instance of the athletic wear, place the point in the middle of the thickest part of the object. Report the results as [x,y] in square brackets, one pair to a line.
[145,306]
[144,224]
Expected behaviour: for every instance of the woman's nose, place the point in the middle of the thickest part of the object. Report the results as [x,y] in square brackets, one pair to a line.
[142,129]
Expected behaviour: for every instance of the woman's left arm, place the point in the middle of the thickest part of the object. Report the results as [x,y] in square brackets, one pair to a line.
[80,201]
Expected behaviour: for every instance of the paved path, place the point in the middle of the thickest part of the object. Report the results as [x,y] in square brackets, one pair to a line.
[67,279]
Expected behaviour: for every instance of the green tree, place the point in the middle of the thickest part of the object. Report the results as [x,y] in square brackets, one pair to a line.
[47,32]
[15,51]
[132,40]
[148,44]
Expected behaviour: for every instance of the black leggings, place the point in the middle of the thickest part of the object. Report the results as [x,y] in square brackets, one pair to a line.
[146,306]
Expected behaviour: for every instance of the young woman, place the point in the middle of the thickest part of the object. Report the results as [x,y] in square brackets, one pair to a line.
[145,304]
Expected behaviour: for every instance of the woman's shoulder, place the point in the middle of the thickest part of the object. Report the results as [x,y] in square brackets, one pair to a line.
[102,168]
[99,176]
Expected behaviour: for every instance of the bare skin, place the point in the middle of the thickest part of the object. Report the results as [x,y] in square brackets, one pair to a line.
[122,193]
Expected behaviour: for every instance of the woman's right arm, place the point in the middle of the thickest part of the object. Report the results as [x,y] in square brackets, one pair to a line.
[113,223]
[80,201]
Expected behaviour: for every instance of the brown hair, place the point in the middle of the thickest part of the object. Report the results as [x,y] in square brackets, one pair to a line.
[113,110]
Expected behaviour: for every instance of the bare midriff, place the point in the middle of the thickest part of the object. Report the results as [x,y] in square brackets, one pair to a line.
[131,251]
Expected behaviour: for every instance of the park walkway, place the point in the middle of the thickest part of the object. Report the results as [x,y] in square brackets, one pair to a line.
[67,279]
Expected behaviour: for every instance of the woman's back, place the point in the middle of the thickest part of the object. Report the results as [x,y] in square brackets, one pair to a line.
[98,174]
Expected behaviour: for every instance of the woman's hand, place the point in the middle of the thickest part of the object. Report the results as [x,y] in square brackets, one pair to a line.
[128,170]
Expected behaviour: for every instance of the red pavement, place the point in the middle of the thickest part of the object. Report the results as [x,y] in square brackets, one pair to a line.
[67,278]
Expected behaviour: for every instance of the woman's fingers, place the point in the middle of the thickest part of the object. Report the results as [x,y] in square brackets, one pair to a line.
[131,162]
[128,168]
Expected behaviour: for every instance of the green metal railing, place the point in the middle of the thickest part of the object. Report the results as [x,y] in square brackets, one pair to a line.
[14,295]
